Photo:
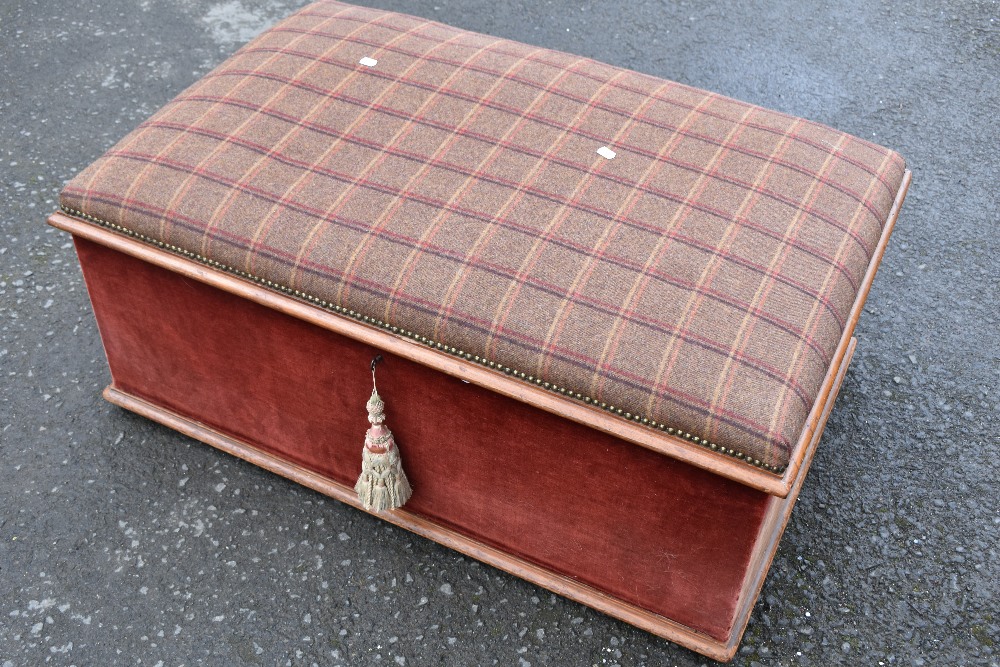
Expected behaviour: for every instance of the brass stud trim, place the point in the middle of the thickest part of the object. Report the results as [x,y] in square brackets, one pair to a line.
[427,341]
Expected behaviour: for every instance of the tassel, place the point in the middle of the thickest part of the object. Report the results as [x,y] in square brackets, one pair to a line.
[382,484]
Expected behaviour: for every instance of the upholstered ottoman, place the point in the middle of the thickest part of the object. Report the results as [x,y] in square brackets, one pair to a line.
[612,312]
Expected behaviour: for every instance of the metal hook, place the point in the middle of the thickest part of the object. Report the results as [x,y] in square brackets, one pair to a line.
[375,361]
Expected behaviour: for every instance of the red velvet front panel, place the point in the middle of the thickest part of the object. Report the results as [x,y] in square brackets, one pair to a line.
[652,531]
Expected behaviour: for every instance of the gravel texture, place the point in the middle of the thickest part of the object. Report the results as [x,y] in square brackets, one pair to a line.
[122,542]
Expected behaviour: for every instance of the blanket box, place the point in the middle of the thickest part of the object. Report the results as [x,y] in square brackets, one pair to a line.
[611,312]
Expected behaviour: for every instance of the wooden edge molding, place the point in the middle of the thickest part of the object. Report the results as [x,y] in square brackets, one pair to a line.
[814,423]
[663,443]
[778,512]
[564,586]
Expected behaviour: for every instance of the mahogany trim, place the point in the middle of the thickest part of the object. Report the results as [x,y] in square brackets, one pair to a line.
[638,434]
[815,420]
[498,382]
[562,585]
[778,512]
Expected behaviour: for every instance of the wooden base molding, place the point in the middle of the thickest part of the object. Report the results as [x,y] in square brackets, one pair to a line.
[564,586]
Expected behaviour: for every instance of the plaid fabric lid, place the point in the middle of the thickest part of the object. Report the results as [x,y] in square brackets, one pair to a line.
[462,187]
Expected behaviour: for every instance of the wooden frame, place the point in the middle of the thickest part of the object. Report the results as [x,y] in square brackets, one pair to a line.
[783,489]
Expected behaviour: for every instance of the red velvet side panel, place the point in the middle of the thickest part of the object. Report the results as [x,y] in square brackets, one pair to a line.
[650,530]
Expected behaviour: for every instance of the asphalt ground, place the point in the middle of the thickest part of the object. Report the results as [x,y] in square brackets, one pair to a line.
[122,542]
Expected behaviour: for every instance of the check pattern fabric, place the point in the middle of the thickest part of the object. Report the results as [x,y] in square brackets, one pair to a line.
[701,278]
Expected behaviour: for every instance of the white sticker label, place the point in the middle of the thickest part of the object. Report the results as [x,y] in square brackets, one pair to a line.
[368,62]
[606,152]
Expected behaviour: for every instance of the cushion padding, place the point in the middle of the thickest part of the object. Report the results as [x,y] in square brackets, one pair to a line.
[701,278]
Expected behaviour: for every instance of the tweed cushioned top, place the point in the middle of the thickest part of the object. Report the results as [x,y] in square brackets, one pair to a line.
[701,279]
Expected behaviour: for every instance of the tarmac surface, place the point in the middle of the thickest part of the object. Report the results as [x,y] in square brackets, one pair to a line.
[124,543]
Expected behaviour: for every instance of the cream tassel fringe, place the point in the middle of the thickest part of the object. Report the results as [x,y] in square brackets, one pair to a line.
[382,484]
